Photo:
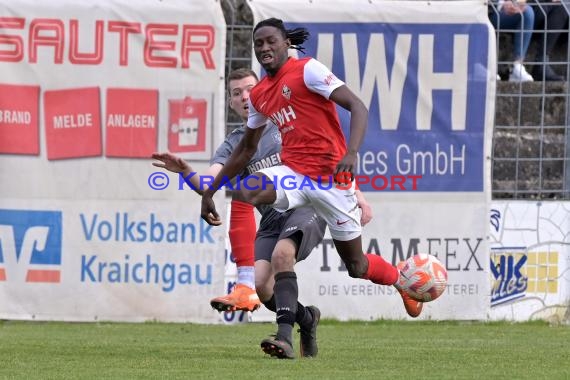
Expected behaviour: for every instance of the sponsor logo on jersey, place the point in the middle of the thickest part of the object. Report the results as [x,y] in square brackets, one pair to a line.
[265,162]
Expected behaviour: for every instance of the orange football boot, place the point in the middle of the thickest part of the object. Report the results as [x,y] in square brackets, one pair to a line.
[413,307]
[242,297]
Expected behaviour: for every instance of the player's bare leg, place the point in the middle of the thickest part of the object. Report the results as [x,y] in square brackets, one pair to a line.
[259,190]
[374,268]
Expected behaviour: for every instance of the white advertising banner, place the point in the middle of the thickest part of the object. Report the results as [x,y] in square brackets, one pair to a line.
[426,71]
[89,229]
[530,260]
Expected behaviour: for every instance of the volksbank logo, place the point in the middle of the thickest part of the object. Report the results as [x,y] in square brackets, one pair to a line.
[30,246]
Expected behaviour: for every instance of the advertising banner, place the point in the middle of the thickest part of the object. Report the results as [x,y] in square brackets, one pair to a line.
[530,260]
[426,72]
[89,229]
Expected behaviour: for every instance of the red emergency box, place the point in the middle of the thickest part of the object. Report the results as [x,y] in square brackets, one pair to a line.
[187,125]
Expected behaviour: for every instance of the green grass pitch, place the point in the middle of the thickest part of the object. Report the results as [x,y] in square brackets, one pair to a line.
[347,350]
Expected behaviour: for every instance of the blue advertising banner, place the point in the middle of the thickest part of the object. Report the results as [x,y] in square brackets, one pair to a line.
[416,80]
[426,71]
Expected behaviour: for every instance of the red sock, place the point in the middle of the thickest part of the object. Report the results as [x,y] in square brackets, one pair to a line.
[242,233]
[380,271]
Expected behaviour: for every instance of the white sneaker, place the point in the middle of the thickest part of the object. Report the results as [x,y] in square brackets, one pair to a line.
[519,74]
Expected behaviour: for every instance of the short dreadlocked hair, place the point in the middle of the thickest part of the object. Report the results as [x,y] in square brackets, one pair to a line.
[297,35]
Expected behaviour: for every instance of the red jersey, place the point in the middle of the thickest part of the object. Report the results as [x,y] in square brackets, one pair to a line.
[296,99]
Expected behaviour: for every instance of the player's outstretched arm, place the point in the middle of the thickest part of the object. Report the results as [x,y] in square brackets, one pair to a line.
[237,162]
[176,164]
[171,163]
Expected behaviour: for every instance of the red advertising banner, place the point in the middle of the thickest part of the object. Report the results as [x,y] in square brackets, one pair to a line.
[73,123]
[131,121]
[19,127]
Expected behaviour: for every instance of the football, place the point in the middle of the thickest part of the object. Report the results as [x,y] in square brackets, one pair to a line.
[423,277]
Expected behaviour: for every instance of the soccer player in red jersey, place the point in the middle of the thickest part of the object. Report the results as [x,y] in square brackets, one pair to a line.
[291,234]
[300,97]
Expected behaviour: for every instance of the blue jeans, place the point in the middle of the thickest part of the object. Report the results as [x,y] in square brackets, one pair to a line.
[521,25]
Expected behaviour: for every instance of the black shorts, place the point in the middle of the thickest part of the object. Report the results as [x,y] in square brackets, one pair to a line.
[302,225]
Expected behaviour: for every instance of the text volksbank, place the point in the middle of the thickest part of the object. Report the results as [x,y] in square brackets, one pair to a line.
[143,269]
[124,228]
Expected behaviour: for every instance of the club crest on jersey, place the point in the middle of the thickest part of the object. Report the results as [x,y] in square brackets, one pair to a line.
[276,137]
[286,92]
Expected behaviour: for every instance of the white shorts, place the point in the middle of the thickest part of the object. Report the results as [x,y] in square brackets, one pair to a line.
[338,207]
